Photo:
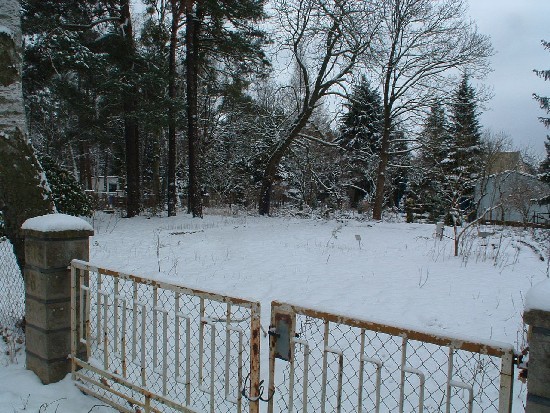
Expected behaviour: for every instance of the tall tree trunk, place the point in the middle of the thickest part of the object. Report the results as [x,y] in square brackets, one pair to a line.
[177,10]
[131,132]
[382,168]
[23,189]
[193,26]
[156,184]
[131,137]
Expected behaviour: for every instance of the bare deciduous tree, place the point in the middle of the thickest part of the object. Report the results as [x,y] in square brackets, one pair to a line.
[325,40]
[418,45]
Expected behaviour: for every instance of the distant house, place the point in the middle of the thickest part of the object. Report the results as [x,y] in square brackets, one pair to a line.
[506,161]
[108,192]
[509,194]
[107,184]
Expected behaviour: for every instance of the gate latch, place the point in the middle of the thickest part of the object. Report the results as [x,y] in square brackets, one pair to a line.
[281,333]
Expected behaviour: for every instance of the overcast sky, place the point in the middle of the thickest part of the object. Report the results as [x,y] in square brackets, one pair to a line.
[516,28]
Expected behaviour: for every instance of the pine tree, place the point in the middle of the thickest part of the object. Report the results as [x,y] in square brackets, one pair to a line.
[466,149]
[544,174]
[360,138]
[544,101]
[432,164]
[218,34]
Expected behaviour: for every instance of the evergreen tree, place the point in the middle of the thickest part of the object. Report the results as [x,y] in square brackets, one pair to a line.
[427,189]
[544,174]
[67,194]
[219,35]
[465,153]
[544,103]
[360,138]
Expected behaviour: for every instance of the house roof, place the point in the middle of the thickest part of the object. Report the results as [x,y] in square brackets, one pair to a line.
[506,161]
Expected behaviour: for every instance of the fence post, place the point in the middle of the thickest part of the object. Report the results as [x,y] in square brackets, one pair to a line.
[537,315]
[51,242]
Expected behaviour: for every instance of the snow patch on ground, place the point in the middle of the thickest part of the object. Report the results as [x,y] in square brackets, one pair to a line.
[398,273]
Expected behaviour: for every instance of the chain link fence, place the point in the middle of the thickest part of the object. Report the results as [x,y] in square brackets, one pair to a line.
[12,291]
[340,364]
[152,346]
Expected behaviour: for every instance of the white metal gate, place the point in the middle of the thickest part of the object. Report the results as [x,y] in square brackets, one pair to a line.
[151,346]
[323,362]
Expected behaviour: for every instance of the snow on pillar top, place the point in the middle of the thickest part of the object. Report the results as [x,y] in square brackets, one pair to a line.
[57,224]
[538,297]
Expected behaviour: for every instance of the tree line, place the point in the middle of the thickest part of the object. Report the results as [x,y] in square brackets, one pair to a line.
[251,102]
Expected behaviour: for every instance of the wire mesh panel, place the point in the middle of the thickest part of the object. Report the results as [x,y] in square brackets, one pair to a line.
[12,290]
[151,346]
[321,362]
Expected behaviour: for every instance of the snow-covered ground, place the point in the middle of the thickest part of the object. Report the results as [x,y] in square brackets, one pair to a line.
[392,272]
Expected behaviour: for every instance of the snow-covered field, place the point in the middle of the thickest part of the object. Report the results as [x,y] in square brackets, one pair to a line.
[391,272]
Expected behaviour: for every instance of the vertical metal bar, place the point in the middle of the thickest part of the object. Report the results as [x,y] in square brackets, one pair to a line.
[340,380]
[115,310]
[201,338]
[188,361]
[272,339]
[506,383]
[88,322]
[143,344]
[402,383]
[123,340]
[164,352]
[155,327]
[227,348]
[361,371]
[470,390]
[176,336]
[134,321]
[98,306]
[449,379]
[325,363]
[254,356]
[147,405]
[378,384]
[306,377]
[187,381]
[82,322]
[240,372]
[212,367]
[105,331]
[74,332]
[291,377]
[422,381]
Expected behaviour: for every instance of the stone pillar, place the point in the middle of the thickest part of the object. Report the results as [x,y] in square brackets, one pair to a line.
[537,315]
[51,242]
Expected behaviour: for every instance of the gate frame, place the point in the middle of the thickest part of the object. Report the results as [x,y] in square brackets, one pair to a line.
[80,269]
[491,348]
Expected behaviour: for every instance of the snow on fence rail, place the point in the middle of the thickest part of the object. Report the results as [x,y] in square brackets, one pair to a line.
[323,362]
[144,345]
[12,290]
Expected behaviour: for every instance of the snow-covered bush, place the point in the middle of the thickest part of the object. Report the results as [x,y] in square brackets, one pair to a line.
[67,194]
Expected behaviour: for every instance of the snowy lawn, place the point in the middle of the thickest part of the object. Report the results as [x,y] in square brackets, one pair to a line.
[395,273]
